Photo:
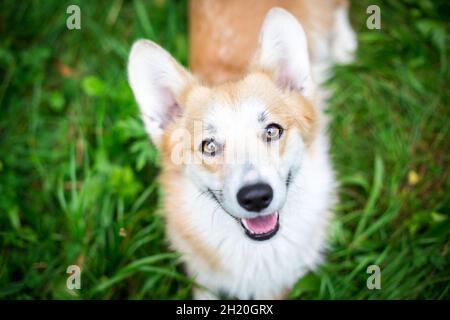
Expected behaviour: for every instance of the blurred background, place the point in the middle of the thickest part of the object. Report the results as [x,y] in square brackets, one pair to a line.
[78,174]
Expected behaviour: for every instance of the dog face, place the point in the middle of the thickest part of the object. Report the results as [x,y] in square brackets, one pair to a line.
[240,142]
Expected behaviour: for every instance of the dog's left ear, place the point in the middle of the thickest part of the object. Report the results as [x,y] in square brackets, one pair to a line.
[283,51]
[158,82]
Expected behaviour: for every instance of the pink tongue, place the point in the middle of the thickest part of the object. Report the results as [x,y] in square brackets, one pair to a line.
[262,224]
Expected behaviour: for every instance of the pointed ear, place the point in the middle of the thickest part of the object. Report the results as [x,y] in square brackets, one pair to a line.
[283,51]
[157,81]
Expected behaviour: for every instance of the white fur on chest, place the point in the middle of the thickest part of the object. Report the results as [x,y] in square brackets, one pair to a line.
[263,269]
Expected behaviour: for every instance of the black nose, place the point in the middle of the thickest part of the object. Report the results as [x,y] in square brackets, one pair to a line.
[255,197]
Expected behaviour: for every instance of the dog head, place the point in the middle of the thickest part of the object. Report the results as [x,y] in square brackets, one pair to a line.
[240,142]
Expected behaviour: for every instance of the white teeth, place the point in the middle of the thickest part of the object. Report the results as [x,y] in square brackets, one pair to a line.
[246,226]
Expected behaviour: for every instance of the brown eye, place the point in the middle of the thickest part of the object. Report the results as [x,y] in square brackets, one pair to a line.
[273,132]
[209,147]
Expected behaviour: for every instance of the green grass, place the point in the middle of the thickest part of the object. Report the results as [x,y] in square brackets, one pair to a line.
[76,166]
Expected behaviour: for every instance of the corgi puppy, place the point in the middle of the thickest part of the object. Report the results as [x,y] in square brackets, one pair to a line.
[247,181]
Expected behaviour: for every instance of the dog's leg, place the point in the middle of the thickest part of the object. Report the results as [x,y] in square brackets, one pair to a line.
[344,41]
[203,294]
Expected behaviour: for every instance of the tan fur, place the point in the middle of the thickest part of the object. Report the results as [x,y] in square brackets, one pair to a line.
[178,223]
[175,217]
[223,33]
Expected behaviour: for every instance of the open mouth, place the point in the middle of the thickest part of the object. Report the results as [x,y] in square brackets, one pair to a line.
[262,227]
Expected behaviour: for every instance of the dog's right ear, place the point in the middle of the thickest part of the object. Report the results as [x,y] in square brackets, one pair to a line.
[157,81]
[283,51]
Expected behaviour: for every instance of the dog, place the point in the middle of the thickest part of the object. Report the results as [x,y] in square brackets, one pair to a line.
[246,176]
